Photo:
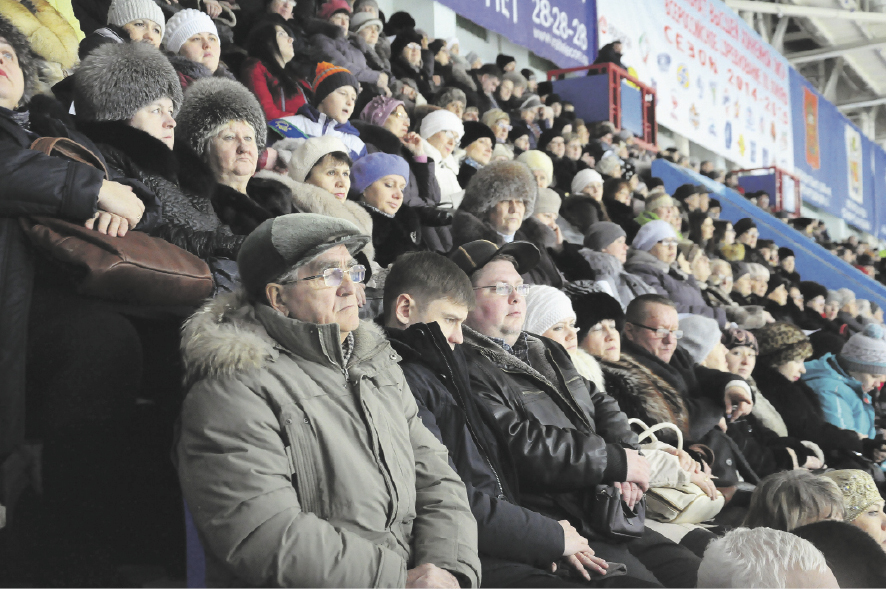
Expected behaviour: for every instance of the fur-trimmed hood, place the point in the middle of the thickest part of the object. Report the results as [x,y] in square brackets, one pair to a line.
[308,198]
[225,337]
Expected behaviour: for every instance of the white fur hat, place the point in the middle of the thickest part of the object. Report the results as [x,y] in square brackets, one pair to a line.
[185,24]
[441,120]
[546,306]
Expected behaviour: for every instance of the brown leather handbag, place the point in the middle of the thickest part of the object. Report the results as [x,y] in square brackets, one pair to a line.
[135,268]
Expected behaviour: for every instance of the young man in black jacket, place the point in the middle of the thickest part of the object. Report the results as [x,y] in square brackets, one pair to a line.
[427,298]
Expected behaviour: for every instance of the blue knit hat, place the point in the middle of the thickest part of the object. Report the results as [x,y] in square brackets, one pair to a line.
[376,166]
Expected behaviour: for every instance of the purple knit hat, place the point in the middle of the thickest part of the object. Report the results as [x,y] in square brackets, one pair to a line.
[379,109]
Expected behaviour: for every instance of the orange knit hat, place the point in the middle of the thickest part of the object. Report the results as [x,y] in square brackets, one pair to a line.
[330,77]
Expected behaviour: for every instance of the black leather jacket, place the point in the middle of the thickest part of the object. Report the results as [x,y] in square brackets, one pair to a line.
[439,380]
[564,435]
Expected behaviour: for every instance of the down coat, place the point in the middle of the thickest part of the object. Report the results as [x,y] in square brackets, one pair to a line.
[843,401]
[343,50]
[674,284]
[303,470]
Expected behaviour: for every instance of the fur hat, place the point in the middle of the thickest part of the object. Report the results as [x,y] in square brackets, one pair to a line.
[28,61]
[376,166]
[846,295]
[785,252]
[651,233]
[548,201]
[441,120]
[859,491]
[311,151]
[123,12]
[291,241]
[118,79]
[538,160]
[781,343]
[834,297]
[865,351]
[502,151]
[518,79]
[587,176]
[601,235]
[212,102]
[497,182]
[531,102]
[329,78]
[810,290]
[700,336]
[502,60]
[748,317]
[403,39]
[607,165]
[183,25]
[546,306]
[379,109]
[593,307]
[474,131]
[361,20]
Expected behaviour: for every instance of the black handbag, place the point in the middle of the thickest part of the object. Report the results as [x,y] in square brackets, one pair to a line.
[612,517]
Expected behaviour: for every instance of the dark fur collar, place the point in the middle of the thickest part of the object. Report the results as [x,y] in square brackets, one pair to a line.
[467,227]
[145,151]
[316,26]
[379,137]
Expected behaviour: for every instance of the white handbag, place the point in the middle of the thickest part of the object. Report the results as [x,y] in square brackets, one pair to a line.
[687,504]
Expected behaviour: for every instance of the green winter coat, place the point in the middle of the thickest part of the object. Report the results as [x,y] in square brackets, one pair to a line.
[302,472]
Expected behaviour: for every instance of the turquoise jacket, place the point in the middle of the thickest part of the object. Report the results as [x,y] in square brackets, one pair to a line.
[842,399]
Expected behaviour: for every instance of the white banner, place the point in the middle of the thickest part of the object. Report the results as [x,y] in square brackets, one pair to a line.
[717,82]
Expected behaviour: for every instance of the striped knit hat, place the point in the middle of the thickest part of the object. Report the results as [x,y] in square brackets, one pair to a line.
[329,78]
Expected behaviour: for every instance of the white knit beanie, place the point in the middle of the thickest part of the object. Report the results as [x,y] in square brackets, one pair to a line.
[185,24]
[306,155]
[584,178]
[123,12]
[546,306]
[441,120]
[651,233]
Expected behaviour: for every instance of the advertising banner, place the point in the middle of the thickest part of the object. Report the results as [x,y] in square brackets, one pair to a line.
[839,167]
[718,83]
[564,31]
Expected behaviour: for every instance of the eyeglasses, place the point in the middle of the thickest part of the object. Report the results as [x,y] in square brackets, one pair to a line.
[413,46]
[335,276]
[504,289]
[401,115]
[661,332]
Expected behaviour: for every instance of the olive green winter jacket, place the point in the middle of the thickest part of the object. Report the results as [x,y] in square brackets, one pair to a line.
[300,471]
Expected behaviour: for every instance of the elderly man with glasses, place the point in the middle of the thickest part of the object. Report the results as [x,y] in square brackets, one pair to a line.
[651,336]
[564,436]
[300,450]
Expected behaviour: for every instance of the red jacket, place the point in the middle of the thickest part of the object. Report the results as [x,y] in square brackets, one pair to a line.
[266,88]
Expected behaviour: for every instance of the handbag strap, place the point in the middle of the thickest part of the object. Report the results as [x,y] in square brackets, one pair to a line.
[70,149]
[649,432]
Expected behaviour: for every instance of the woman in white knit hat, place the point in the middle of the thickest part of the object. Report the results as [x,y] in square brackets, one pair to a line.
[193,39]
[549,313]
[128,20]
[441,132]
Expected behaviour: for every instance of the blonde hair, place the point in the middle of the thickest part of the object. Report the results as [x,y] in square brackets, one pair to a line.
[794,498]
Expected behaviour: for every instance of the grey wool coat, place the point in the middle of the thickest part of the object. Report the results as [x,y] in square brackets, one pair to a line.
[302,470]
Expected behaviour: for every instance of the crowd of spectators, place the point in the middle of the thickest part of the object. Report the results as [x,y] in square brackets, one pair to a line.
[438,299]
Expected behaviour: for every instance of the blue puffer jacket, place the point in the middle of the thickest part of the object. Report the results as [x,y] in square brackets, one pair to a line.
[843,401]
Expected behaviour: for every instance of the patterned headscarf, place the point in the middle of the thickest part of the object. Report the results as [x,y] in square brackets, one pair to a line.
[781,343]
[859,491]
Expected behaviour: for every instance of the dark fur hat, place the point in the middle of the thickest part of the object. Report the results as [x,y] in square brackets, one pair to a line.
[212,102]
[27,59]
[118,79]
[497,182]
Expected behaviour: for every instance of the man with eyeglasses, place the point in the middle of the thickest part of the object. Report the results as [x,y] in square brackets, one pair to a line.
[564,436]
[651,335]
[300,451]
